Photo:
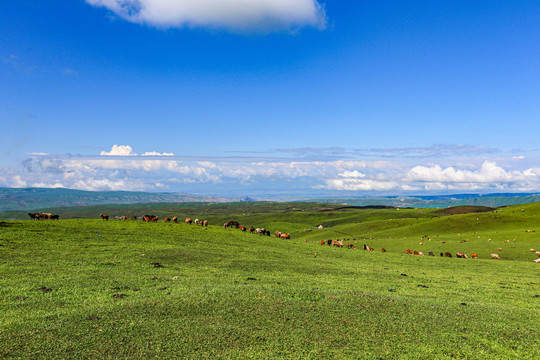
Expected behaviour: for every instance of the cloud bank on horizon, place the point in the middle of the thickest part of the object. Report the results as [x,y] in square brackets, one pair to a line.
[122,169]
[228,14]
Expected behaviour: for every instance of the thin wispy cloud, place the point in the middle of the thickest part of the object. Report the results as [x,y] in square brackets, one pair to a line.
[258,15]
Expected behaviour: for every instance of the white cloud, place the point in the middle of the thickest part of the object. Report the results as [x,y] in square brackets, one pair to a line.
[120,150]
[155,153]
[231,14]
[489,172]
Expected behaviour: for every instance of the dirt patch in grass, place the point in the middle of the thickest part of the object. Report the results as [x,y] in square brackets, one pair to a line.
[459,210]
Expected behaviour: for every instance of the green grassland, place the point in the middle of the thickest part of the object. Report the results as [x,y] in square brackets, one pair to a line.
[87,288]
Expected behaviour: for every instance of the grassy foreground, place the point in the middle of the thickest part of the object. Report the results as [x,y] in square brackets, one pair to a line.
[95,289]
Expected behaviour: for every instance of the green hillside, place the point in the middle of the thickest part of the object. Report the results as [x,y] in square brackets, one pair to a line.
[129,289]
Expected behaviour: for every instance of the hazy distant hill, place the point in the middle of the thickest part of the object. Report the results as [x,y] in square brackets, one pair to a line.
[441,201]
[38,198]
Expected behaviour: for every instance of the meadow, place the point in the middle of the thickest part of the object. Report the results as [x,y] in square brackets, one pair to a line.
[88,288]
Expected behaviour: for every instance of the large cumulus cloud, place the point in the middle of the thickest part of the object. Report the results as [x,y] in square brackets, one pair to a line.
[230,14]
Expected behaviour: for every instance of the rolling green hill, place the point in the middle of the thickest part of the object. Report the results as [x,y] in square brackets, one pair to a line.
[114,289]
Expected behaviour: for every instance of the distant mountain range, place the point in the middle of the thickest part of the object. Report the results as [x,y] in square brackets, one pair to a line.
[26,199]
[38,198]
[439,201]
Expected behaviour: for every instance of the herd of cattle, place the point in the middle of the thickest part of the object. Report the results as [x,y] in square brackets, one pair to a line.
[263,231]
[43,216]
[252,230]
[154,218]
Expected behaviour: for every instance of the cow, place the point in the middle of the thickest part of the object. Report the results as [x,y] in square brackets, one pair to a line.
[285,236]
[242,228]
[277,234]
[125,218]
[383,250]
[420,253]
[104,217]
[251,229]
[461,255]
[430,253]
[337,243]
[474,256]
[205,223]
[495,257]
[369,248]
[267,232]
[46,215]
[188,221]
[34,216]
[499,249]
[350,246]
[167,219]
[260,231]
[447,254]
[175,219]
[538,253]
[329,242]
[531,250]
[408,251]
[536,260]
[147,218]
[55,217]
[197,222]
[323,242]
[231,223]
[415,252]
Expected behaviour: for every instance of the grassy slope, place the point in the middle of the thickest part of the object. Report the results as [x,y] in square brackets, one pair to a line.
[340,304]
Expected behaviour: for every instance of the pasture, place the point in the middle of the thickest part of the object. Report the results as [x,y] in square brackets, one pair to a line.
[88,288]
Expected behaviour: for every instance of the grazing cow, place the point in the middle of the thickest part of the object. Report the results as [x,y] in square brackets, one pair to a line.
[125,218]
[267,232]
[474,256]
[260,231]
[369,248]
[285,236]
[251,229]
[167,219]
[242,228]
[538,253]
[188,221]
[337,243]
[420,253]
[323,242]
[55,217]
[46,216]
[415,252]
[408,251]
[148,218]
[447,254]
[197,222]
[104,217]
[350,246]
[205,223]
[442,254]
[154,219]
[329,242]
[499,249]
[175,219]
[231,223]
[531,250]
[277,234]
[430,253]
[495,256]
[34,216]
[461,255]
[383,250]
[536,260]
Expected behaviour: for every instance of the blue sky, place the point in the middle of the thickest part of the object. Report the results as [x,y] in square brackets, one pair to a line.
[269,97]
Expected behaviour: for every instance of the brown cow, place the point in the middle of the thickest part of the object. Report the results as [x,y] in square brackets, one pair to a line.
[285,236]
[499,249]
[408,251]
[350,246]
[323,242]
[34,216]
[383,250]
[154,219]
[337,243]
[175,219]
[251,229]
[46,216]
[447,254]
[189,221]
[495,256]
[167,219]
[461,255]
[538,253]
[242,228]
[474,256]
[104,217]
[277,234]
[205,223]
